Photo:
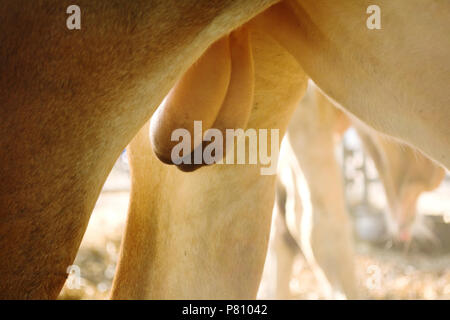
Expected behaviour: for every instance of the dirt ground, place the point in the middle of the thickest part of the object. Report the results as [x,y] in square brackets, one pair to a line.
[384,273]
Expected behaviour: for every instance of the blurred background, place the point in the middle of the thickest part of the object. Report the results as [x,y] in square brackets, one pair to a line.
[385,270]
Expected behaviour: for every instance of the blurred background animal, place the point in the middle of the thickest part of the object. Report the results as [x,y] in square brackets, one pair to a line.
[311,211]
